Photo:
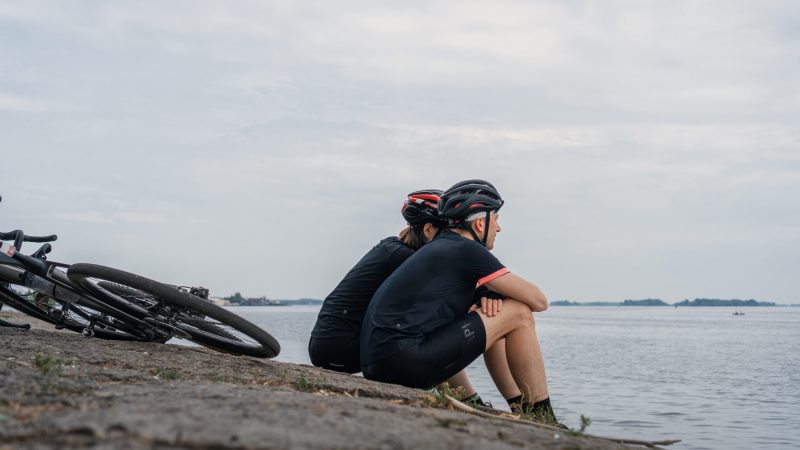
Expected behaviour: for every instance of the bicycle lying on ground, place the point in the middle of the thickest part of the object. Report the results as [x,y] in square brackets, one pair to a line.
[112,304]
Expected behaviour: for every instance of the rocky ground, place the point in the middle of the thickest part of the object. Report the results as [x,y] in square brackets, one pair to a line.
[59,390]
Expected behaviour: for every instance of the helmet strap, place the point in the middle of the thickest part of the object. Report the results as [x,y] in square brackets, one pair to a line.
[467,226]
[486,229]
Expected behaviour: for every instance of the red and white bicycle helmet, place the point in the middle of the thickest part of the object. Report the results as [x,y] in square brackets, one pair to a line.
[421,207]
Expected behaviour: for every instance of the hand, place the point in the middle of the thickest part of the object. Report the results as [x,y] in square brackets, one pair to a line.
[489,306]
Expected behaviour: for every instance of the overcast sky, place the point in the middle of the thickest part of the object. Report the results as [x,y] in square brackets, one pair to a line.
[644,149]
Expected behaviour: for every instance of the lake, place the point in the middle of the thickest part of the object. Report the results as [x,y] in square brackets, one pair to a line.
[704,375]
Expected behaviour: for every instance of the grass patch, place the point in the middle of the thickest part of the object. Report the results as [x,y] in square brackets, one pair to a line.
[217,378]
[301,384]
[167,374]
[585,422]
[449,422]
[49,365]
[438,398]
[55,387]
[540,417]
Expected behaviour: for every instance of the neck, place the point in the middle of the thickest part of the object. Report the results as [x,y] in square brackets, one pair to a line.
[463,233]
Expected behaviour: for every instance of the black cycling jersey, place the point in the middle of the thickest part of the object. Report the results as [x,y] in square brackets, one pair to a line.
[343,310]
[433,288]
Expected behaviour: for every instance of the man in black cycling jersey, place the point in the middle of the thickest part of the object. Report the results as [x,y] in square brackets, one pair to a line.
[421,328]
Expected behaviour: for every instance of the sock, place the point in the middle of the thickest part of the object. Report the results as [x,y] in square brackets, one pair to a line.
[514,403]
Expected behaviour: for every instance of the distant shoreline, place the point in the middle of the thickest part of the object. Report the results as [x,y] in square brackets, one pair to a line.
[698,302]
[583,304]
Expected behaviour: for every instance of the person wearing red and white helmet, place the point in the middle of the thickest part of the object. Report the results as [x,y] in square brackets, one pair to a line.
[334,342]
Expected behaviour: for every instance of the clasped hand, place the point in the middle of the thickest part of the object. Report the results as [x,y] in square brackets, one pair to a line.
[491,303]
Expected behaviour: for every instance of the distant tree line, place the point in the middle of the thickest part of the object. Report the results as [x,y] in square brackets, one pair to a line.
[643,302]
[721,302]
[238,299]
[659,302]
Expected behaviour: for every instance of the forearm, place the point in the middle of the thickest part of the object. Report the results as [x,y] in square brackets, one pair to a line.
[520,289]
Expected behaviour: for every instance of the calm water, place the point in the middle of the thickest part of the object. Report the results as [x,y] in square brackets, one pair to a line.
[715,380]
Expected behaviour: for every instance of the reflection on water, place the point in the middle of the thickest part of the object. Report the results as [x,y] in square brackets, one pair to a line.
[715,380]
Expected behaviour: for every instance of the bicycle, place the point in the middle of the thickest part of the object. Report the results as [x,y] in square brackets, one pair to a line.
[113,304]
[185,308]
[36,287]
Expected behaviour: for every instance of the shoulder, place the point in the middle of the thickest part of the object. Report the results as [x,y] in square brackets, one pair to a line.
[451,239]
[393,247]
[393,243]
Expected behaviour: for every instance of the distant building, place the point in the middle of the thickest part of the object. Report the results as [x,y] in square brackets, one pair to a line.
[219,301]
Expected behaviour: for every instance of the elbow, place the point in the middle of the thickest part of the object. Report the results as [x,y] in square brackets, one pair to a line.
[540,304]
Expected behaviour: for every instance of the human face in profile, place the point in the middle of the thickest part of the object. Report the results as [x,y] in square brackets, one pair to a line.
[494,228]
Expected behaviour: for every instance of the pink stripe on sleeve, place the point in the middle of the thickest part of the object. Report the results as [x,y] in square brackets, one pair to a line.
[492,276]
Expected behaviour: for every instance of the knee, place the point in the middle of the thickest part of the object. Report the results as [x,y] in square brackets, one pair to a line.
[520,312]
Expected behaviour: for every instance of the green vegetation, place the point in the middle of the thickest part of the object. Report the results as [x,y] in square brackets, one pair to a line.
[585,422]
[438,398]
[167,374]
[645,302]
[301,384]
[239,300]
[48,364]
[659,302]
[447,422]
[540,417]
[721,302]
[217,378]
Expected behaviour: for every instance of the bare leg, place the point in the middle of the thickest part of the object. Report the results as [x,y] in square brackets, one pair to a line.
[497,365]
[461,379]
[524,356]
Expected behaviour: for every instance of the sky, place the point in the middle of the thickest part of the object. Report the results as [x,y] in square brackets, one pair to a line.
[644,149]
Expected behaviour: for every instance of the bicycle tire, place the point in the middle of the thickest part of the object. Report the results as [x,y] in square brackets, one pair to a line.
[190,308]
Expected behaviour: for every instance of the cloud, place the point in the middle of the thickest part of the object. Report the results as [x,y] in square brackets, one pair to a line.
[21,104]
[624,136]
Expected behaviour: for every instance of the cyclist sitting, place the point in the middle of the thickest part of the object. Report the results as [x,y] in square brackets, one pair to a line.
[334,342]
[417,330]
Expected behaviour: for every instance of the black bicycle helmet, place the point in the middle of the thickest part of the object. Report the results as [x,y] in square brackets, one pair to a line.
[466,198]
[420,208]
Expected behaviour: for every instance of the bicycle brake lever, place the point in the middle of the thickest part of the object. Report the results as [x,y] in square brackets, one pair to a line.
[42,251]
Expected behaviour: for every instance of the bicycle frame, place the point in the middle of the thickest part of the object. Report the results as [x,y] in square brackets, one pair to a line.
[42,276]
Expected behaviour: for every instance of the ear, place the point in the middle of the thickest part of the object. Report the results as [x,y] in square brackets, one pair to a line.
[479,224]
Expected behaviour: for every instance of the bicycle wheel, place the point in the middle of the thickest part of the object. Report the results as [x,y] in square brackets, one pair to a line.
[204,322]
[77,318]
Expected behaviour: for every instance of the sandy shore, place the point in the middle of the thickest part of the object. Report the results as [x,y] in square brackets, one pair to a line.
[59,390]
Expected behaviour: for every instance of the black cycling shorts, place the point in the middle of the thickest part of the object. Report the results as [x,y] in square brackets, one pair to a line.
[339,354]
[443,353]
